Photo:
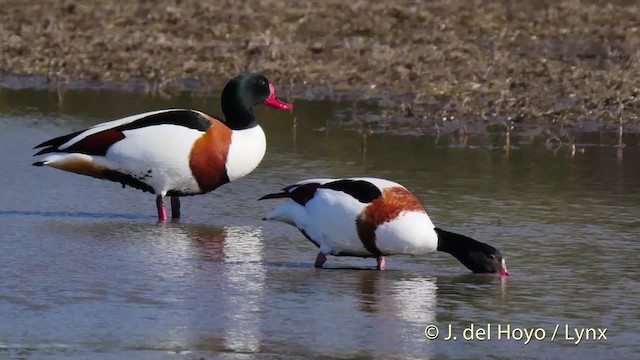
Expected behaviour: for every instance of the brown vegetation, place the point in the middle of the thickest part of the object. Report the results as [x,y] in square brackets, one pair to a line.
[525,61]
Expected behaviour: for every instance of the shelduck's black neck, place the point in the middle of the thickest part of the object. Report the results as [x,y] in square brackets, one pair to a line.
[238,114]
[475,255]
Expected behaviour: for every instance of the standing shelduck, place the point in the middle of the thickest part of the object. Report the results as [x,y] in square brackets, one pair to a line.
[369,217]
[172,152]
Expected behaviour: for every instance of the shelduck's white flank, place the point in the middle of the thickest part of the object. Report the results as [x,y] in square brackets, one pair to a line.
[246,151]
[164,167]
[329,218]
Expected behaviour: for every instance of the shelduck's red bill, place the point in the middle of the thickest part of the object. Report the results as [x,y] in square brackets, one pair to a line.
[504,271]
[274,102]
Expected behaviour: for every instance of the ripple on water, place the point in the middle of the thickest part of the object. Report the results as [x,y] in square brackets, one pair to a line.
[87,272]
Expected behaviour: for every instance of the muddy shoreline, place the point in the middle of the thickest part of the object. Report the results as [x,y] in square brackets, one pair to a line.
[500,62]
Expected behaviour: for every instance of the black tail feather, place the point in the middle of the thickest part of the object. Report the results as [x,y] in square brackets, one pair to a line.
[55,142]
[46,151]
[276,196]
[38,163]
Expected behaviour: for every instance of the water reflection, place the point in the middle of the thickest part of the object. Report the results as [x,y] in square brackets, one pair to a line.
[244,283]
[74,214]
[209,242]
[464,286]
[85,266]
[400,306]
[409,299]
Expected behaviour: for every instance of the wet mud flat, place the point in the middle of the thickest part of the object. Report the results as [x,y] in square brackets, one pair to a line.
[452,66]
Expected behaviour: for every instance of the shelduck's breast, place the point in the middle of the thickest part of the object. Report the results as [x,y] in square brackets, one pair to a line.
[396,223]
[208,157]
[246,150]
[222,155]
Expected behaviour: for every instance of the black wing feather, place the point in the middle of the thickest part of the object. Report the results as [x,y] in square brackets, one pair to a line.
[283,194]
[187,118]
[55,142]
[361,190]
[300,194]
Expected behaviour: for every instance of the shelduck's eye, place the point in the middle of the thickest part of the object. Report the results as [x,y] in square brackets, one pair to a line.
[262,82]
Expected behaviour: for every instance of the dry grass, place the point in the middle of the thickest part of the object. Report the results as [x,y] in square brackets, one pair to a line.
[540,62]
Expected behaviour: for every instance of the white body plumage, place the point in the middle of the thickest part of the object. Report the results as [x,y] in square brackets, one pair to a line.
[337,221]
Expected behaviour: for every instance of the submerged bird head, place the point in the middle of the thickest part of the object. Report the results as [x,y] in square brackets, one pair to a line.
[475,255]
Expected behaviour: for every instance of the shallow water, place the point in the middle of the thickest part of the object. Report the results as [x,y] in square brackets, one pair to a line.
[86,272]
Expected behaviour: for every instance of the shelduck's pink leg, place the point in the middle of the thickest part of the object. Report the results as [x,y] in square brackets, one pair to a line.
[320,260]
[175,207]
[162,211]
[381,263]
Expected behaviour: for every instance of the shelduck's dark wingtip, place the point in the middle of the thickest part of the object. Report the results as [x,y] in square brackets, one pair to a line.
[42,144]
[45,151]
[45,143]
[38,163]
[275,196]
[264,219]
